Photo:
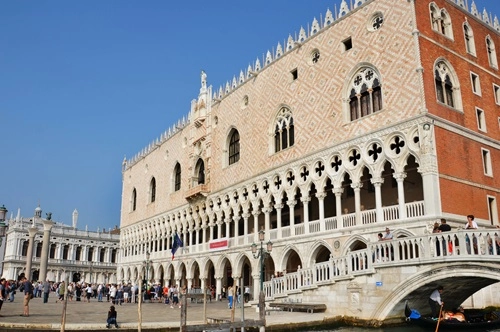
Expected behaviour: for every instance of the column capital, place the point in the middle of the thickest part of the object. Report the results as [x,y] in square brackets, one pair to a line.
[357,185]
[338,191]
[291,203]
[278,206]
[305,199]
[377,181]
[321,196]
[400,176]
[32,232]
[47,224]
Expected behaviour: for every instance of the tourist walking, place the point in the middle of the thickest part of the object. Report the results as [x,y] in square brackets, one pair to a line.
[27,289]
[46,291]
[3,292]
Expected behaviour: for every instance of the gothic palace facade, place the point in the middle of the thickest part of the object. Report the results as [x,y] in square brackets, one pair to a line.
[384,114]
[75,254]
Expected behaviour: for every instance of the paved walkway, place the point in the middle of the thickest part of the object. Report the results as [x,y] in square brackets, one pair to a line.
[92,316]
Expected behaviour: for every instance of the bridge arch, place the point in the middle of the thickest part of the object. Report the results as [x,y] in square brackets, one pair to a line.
[460,280]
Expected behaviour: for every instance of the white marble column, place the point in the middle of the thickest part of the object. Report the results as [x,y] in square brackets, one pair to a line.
[338,205]
[400,177]
[29,255]
[305,202]
[47,226]
[357,201]
[377,184]
[321,202]
[278,208]
[291,205]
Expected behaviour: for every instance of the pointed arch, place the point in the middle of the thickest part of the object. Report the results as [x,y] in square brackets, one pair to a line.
[447,85]
[363,92]
[177,177]
[199,171]
[470,46]
[492,54]
[152,190]
[233,147]
[133,200]
[284,132]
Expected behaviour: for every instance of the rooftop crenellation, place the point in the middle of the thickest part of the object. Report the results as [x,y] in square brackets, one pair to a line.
[293,42]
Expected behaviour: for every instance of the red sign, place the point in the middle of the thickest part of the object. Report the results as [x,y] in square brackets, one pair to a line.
[218,244]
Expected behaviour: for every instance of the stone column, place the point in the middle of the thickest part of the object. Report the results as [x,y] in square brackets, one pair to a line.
[291,204]
[377,183]
[321,201]
[338,204]
[256,226]
[267,219]
[245,215]
[400,177]
[278,208]
[357,201]
[29,256]
[305,202]
[47,227]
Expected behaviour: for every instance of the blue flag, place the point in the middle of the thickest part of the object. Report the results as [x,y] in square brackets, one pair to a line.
[177,243]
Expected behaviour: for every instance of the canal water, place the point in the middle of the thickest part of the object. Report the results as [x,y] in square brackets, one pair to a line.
[388,329]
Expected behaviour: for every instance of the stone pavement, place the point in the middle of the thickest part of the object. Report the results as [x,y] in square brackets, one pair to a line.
[92,316]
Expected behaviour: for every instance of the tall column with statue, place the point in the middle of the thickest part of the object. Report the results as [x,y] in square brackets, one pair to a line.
[47,227]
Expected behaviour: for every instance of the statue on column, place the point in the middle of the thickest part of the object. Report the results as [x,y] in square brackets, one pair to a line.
[203,80]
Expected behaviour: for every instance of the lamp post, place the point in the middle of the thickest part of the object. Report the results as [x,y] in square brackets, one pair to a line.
[3,225]
[146,262]
[261,254]
[3,228]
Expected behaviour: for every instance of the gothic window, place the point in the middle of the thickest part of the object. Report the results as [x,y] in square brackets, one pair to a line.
[134,199]
[492,54]
[152,190]
[365,95]
[447,90]
[441,21]
[177,177]
[284,130]
[200,171]
[469,39]
[234,147]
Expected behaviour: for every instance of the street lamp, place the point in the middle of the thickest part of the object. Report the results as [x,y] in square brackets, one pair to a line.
[146,262]
[3,225]
[262,254]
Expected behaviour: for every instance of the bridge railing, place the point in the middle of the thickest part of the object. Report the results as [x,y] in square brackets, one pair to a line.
[459,245]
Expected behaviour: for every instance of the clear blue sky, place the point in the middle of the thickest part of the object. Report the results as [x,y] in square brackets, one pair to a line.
[85,83]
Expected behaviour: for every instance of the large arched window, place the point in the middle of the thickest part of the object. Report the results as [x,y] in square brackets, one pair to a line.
[283,132]
[152,190]
[447,89]
[492,54]
[200,171]
[234,147]
[134,199]
[470,46]
[177,177]
[365,95]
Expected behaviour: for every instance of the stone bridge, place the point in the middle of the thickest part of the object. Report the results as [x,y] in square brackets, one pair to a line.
[373,284]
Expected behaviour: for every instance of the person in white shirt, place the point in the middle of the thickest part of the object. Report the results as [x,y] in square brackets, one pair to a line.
[435,301]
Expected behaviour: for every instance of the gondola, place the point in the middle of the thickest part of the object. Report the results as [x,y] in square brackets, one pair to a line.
[475,320]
